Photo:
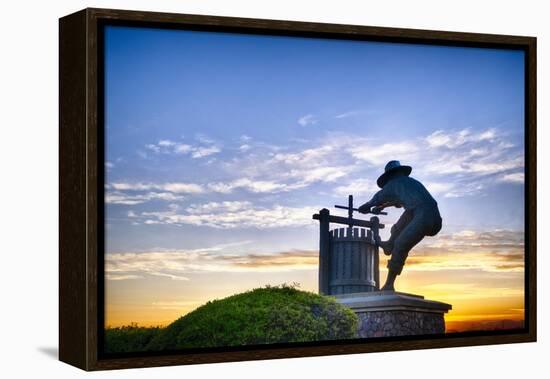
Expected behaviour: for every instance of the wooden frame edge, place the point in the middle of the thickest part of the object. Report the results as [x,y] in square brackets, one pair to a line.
[78,196]
[72,194]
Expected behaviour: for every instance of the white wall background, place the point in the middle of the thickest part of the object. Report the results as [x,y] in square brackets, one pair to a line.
[28,194]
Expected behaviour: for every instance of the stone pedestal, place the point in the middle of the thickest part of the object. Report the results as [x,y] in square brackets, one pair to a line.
[389,313]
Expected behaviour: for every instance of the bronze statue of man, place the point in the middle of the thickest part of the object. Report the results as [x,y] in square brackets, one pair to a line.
[421,216]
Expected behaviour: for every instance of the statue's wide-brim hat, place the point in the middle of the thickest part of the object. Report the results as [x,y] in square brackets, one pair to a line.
[393,168]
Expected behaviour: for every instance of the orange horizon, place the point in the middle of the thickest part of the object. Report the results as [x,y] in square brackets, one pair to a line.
[487,290]
[456,325]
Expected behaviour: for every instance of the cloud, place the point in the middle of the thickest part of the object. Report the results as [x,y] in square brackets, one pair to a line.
[493,251]
[182,187]
[300,169]
[179,264]
[306,120]
[200,152]
[358,187]
[116,197]
[440,138]
[516,177]
[476,154]
[446,153]
[154,148]
[459,187]
[283,171]
[354,113]
[282,261]
[458,163]
[224,206]
[452,140]
[436,188]
[256,186]
[380,154]
[318,174]
[124,193]
[189,188]
[206,148]
[347,114]
[489,251]
[165,142]
[232,215]
[452,164]
[202,138]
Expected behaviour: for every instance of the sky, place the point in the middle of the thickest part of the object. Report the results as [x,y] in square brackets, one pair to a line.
[220,147]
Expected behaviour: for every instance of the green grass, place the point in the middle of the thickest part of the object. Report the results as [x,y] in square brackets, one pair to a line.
[130,338]
[267,315]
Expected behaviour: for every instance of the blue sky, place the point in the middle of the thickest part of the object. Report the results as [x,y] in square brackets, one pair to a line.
[227,144]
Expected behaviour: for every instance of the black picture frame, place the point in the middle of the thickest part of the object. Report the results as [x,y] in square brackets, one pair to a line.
[81,183]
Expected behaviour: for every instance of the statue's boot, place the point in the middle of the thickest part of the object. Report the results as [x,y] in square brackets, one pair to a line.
[387,246]
[390,280]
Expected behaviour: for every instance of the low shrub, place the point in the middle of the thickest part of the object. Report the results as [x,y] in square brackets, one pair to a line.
[267,315]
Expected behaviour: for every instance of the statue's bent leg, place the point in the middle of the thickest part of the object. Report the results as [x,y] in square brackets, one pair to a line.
[395,231]
[424,223]
[408,238]
[412,234]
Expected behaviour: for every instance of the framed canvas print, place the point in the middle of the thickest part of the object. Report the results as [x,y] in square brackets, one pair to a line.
[237,189]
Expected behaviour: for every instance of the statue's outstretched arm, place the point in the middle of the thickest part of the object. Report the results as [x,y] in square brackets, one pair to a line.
[380,200]
[366,208]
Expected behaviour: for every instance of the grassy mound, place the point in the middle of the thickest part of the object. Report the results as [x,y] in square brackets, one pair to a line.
[261,316]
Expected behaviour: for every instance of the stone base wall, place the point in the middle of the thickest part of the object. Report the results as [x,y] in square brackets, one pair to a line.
[392,323]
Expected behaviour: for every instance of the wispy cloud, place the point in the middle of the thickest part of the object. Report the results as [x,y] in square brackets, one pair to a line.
[457,163]
[380,154]
[465,152]
[452,140]
[179,264]
[224,206]
[176,187]
[256,186]
[494,250]
[353,113]
[347,114]
[489,251]
[233,214]
[116,197]
[462,291]
[306,120]
[200,152]
[137,193]
[206,147]
[283,171]
[123,193]
[517,177]
[359,187]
